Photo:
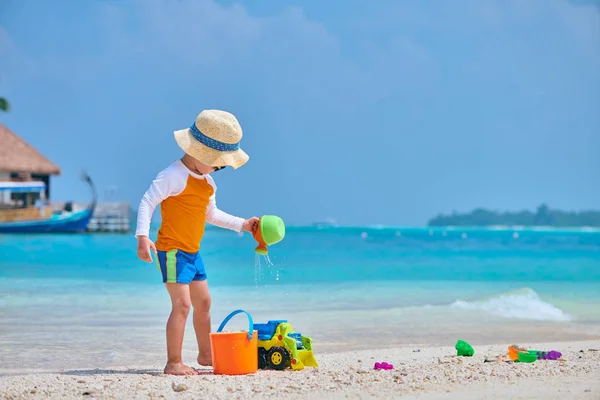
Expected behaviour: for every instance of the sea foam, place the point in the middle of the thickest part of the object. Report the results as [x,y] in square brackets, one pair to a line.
[523,303]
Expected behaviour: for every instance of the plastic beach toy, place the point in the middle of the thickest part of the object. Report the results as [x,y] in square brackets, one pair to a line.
[271,230]
[526,357]
[383,365]
[546,355]
[514,351]
[521,354]
[281,347]
[464,349]
[235,353]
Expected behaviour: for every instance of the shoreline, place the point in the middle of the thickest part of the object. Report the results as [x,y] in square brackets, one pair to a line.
[426,372]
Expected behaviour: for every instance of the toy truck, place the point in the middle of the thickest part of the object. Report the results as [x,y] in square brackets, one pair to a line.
[279,347]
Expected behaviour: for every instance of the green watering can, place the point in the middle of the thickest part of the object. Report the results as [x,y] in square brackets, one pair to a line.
[271,230]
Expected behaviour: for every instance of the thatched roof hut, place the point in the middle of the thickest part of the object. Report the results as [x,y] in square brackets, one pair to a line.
[17,156]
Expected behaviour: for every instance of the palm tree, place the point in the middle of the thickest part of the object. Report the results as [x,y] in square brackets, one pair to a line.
[4,106]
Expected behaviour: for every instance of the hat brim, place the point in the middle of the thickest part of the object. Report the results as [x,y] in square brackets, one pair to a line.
[207,155]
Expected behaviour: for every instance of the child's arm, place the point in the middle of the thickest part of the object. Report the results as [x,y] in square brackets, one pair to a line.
[219,218]
[164,185]
[153,197]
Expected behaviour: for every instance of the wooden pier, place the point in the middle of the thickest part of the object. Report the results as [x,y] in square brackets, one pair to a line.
[109,217]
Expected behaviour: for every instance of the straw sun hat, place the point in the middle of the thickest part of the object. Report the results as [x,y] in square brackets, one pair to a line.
[214,139]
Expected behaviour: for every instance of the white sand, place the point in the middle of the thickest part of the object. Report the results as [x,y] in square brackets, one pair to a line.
[422,373]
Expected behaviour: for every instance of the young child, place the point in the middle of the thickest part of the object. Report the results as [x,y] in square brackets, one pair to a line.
[186,194]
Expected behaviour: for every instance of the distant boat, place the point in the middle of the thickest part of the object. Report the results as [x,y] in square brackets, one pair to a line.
[40,218]
[328,223]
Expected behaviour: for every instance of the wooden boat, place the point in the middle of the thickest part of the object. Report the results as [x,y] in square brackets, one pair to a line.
[39,218]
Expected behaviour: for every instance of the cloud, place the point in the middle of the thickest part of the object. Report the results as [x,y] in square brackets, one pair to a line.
[191,33]
[12,59]
[288,52]
[203,37]
[6,43]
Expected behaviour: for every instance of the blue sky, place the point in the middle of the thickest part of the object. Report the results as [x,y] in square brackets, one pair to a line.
[371,112]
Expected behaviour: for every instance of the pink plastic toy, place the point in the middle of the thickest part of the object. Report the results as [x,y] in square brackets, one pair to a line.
[383,365]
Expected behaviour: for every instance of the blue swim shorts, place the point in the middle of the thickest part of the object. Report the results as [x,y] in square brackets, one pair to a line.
[178,266]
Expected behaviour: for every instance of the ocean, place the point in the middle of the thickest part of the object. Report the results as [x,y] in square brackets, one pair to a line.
[86,301]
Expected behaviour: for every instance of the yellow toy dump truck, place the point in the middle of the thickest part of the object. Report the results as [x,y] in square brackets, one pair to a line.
[279,347]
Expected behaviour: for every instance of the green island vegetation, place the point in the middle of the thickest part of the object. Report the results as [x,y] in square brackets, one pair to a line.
[4,104]
[543,216]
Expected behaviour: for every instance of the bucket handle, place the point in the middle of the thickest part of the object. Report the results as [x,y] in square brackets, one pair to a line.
[250,322]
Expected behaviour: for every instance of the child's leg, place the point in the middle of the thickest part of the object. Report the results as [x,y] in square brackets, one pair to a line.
[201,303]
[180,300]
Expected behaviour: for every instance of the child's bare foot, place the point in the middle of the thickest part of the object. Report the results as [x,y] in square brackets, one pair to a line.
[179,369]
[205,359]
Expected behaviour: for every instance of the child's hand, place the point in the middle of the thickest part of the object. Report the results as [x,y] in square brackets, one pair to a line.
[144,246]
[250,225]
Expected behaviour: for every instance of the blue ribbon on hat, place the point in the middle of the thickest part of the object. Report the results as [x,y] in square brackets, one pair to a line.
[212,143]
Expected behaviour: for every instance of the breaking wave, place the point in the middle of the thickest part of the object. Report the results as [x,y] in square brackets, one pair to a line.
[520,304]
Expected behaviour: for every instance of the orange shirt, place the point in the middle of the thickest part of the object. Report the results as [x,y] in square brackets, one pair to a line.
[187,203]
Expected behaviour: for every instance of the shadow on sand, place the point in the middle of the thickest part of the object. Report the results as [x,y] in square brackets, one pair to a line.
[133,371]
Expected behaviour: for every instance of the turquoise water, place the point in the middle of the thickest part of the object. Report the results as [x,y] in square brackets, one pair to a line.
[72,301]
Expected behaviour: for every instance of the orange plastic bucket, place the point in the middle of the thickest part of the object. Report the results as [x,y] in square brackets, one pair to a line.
[234,353]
